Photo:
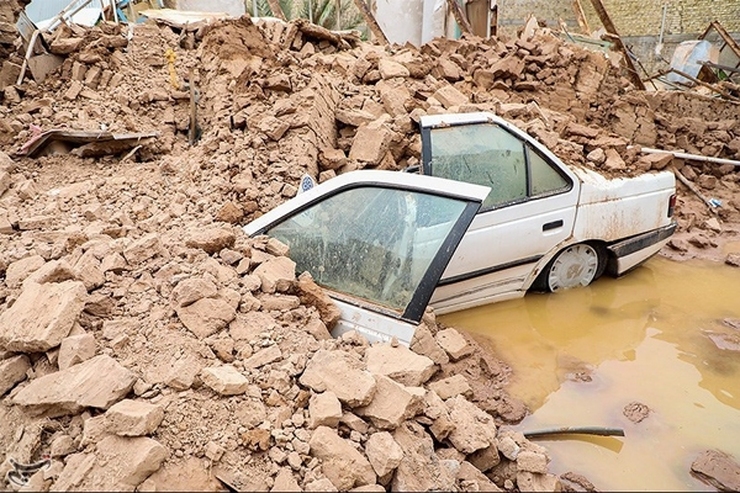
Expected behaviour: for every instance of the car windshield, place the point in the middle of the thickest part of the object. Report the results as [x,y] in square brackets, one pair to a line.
[370,242]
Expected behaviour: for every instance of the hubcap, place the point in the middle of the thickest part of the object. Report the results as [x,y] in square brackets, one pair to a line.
[574,266]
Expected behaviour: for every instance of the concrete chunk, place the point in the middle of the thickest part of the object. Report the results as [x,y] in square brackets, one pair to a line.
[133,418]
[454,343]
[206,316]
[324,409]
[390,69]
[533,462]
[370,144]
[452,386]
[341,462]
[98,382]
[12,371]
[449,97]
[264,356]
[392,404]
[211,240]
[188,291]
[399,363]
[76,349]
[421,469]
[474,428]
[276,274]
[338,372]
[225,380]
[42,316]
[383,452]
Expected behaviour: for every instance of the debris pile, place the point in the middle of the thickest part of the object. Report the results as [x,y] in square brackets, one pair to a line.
[146,342]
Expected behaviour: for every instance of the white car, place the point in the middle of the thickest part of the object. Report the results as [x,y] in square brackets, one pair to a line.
[499,215]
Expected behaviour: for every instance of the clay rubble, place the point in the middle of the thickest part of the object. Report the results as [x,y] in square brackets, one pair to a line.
[146,343]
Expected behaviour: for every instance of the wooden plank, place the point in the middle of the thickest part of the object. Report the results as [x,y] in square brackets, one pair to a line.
[371,22]
[610,28]
[581,17]
[460,18]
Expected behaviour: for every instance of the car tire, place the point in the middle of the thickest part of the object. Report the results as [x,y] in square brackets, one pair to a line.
[575,265]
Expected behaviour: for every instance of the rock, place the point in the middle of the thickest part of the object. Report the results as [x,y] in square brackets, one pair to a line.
[133,418]
[324,409]
[508,447]
[733,259]
[474,428]
[42,316]
[285,481]
[264,357]
[98,382]
[449,97]
[276,274]
[390,69]
[12,371]
[527,481]
[636,411]
[54,271]
[655,161]
[533,462]
[613,160]
[190,290]
[211,240]
[225,380]
[119,464]
[485,459]
[142,249]
[206,316]
[713,224]
[21,269]
[340,461]
[370,144]
[453,343]
[472,479]
[277,248]
[62,445]
[597,156]
[452,386]
[399,363]
[312,294]
[230,213]
[392,404]
[423,343]
[421,469]
[383,453]
[321,485]
[340,373]
[76,349]
[349,116]
[718,469]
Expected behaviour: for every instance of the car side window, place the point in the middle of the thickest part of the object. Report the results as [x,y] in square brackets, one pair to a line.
[545,179]
[485,155]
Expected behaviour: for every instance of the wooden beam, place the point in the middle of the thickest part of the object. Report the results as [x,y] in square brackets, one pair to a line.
[610,28]
[581,17]
[277,10]
[371,22]
[460,18]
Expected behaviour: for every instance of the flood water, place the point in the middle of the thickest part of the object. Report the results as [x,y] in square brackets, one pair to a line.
[580,356]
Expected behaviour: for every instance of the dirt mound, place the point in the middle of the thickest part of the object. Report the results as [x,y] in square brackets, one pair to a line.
[160,316]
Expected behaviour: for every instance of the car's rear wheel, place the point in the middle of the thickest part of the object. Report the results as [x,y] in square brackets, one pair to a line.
[576,265]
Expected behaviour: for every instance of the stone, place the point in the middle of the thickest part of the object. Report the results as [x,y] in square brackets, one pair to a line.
[88,269]
[449,96]
[390,69]
[211,240]
[399,363]
[451,386]
[142,249]
[190,290]
[533,462]
[423,343]
[656,161]
[420,469]
[312,294]
[354,117]
[474,428]
[383,452]
[472,479]
[340,461]
[276,274]
[224,380]
[19,270]
[42,316]
[613,160]
[230,213]
[133,418]
[370,144]
[321,485]
[342,374]
[53,271]
[718,469]
[527,481]
[508,447]
[436,410]
[285,481]
[13,371]
[597,156]
[62,445]
[98,382]
[485,459]
[324,409]
[392,404]
[453,343]
[264,356]
[119,464]
[76,349]
[733,259]
[206,316]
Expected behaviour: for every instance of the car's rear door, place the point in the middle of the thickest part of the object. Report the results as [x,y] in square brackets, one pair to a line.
[378,241]
[530,211]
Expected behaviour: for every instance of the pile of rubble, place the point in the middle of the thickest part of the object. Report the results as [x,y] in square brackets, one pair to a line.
[147,343]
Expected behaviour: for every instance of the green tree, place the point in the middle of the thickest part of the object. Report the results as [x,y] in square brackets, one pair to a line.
[320,12]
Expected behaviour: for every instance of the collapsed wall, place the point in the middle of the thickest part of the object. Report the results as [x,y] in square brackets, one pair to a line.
[136,312]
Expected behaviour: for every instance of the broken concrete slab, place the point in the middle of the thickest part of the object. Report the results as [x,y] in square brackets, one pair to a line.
[339,372]
[392,404]
[42,316]
[400,363]
[98,382]
[340,461]
[13,371]
[133,418]
[75,349]
[224,380]
[206,316]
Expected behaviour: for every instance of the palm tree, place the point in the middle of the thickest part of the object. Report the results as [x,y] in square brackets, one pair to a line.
[320,12]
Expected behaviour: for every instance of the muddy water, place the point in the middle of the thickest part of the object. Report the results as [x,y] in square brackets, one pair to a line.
[579,357]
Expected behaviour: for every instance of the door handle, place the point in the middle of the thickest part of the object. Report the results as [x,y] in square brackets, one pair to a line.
[552,225]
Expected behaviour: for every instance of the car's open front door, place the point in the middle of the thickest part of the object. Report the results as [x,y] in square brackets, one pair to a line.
[378,241]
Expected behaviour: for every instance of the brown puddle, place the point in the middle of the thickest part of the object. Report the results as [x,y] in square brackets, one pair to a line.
[580,356]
